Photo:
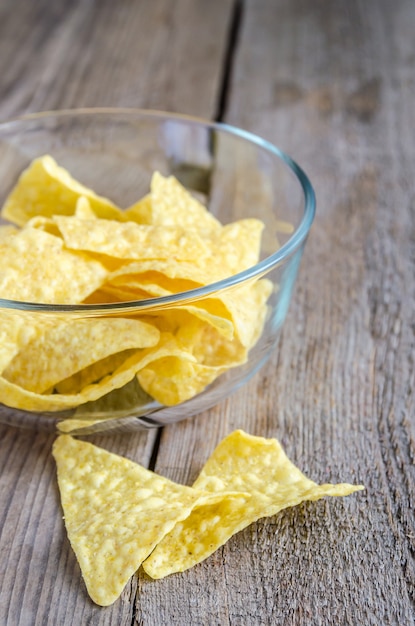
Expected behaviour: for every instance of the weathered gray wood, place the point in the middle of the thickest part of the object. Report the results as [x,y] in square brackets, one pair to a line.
[70,54]
[157,54]
[333,84]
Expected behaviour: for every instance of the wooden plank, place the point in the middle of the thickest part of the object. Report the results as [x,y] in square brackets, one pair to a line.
[332,84]
[71,54]
[158,54]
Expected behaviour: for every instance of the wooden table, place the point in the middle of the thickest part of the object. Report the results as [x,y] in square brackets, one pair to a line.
[333,84]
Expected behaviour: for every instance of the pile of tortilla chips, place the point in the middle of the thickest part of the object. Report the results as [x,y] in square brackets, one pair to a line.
[67,245]
[120,516]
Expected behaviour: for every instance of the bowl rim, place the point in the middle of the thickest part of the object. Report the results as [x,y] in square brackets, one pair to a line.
[259,269]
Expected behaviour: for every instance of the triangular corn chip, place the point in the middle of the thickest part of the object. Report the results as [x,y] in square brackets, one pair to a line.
[129,240]
[115,512]
[7,231]
[83,209]
[35,267]
[17,397]
[72,345]
[141,211]
[243,463]
[173,205]
[47,189]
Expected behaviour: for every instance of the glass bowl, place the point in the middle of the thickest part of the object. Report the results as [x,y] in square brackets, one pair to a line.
[237,175]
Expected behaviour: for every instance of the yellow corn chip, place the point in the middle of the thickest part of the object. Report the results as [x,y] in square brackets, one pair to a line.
[172,380]
[232,249]
[176,375]
[247,308]
[78,247]
[171,269]
[15,333]
[72,345]
[173,205]
[126,277]
[15,396]
[237,245]
[121,403]
[242,309]
[113,293]
[83,209]
[244,306]
[46,189]
[36,268]
[206,344]
[240,312]
[242,463]
[205,310]
[115,512]
[140,212]
[92,373]
[44,223]
[7,231]
[128,240]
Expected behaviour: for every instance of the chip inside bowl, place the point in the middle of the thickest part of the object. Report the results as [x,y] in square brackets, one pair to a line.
[47,189]
[68,245]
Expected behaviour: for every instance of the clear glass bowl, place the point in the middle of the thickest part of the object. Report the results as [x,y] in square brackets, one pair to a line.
[236,174]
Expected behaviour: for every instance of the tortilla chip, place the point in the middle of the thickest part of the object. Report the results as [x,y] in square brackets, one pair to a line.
[47,189]
[128,240]
[17,397]
[83,209]
[36,268]
[173,205]
[73,345]
[140,212]
[244,463]
[115,512]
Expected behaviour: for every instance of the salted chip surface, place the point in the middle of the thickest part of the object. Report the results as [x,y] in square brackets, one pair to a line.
[37,268]
[241,311]
[237,245]
[172,380]
[15,333]
[141,211]
[208,311]
[173,205]
[7,231]
[18,397]
[129,240]
[115,512]
[247,308]
[44,223]
[47,189]
[202,352]
[73,345]
[83,209]
[244,463]
[172,269]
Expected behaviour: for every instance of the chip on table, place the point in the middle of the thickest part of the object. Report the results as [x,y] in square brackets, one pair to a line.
[244,463]
[116,511]
[120,515]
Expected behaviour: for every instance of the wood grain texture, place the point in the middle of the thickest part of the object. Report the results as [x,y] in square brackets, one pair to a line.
[133,53]
[333,84]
